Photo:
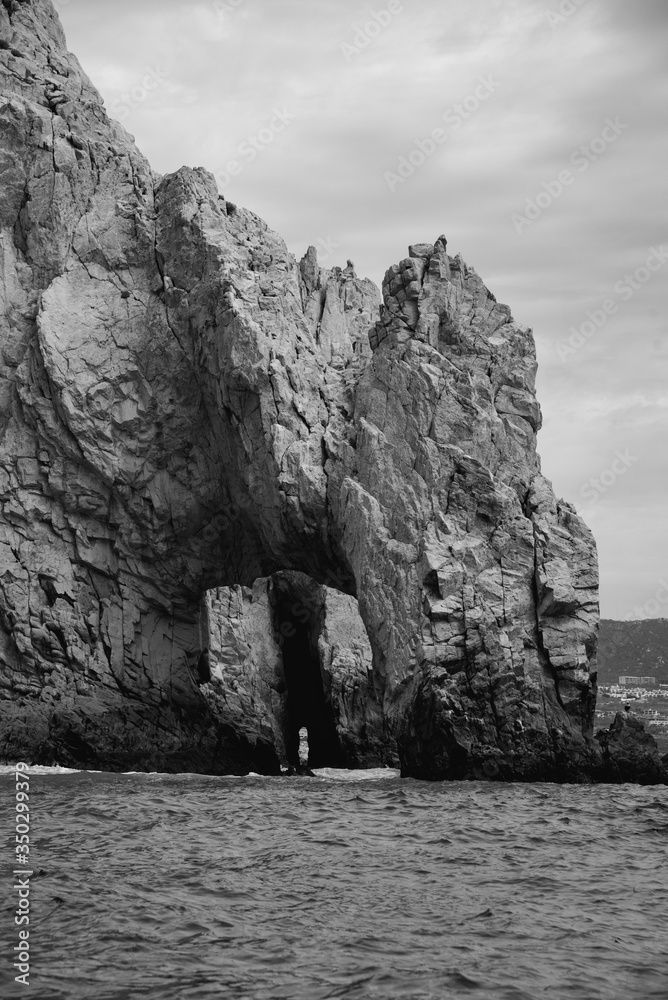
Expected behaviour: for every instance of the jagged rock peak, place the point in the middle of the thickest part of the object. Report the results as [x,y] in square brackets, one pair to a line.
[339,308]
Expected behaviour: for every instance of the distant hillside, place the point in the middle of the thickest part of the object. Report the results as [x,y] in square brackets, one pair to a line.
[633,648]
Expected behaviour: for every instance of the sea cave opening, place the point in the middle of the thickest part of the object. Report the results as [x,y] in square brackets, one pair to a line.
[297,611]
[289,653]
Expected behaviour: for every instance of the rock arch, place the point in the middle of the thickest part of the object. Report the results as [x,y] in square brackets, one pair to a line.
[184,407]
[289,654]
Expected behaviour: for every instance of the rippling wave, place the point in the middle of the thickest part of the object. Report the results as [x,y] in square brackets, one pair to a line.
[349,884]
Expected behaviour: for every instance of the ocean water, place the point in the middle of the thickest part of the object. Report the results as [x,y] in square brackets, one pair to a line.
[348,884]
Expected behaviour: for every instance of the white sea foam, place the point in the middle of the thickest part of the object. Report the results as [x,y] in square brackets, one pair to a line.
[357,774]
[41,769]
[332,773]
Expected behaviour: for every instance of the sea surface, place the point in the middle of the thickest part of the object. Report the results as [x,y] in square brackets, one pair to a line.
[349,884]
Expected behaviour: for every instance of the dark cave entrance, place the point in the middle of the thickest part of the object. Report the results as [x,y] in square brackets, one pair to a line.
[297,606]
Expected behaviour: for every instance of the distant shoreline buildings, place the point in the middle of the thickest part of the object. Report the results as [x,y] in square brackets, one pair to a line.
[627,681]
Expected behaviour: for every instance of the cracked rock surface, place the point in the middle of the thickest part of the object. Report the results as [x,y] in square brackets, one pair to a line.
[193,424]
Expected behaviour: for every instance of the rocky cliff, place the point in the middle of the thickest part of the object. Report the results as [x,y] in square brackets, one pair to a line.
[202,439]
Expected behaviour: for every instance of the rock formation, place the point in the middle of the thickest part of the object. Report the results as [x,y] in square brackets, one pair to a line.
[185,409]
[630,753]
[287,654]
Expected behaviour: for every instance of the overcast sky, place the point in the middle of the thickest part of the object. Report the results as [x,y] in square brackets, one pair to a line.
[549,176]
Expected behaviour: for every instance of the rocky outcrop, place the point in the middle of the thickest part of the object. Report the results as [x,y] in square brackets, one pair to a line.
[185,409]
[630,753]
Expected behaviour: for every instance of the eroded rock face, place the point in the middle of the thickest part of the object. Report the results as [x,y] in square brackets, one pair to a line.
[184,408]
[287,654]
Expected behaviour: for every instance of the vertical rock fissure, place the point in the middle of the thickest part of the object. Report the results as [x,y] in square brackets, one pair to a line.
[543,654]
[297,611]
